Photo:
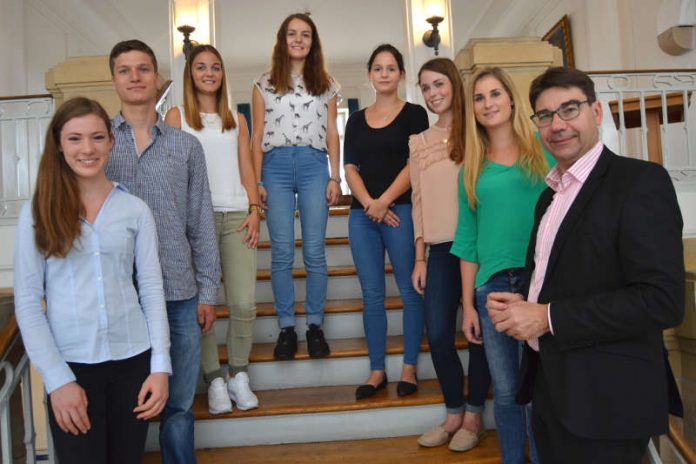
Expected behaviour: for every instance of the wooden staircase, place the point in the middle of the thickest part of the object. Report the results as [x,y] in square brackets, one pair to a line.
[308,411]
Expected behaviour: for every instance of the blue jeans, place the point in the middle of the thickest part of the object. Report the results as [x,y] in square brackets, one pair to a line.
[504,353]
[176,420]
[443,290]
[368,242]
[296,177]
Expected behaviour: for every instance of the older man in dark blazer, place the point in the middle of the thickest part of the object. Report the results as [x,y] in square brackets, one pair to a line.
[605,278]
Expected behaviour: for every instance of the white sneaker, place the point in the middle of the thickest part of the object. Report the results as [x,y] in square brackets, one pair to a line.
[218,400]
[240,393]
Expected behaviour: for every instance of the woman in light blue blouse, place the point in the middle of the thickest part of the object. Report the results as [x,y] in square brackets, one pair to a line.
[89,249]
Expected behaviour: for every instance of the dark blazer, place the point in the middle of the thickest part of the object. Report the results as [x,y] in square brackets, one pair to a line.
[615,281]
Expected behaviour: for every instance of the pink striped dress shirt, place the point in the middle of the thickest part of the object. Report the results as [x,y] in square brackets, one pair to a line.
[566,185]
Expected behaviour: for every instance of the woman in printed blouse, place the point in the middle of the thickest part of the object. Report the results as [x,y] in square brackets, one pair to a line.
[294,127]
[436,159]
[89,248]
[375,159]
[503,176]
[224,135]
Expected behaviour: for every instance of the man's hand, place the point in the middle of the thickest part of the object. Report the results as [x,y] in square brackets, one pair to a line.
[69,404]
[206,317]
[153,395]
[517,318]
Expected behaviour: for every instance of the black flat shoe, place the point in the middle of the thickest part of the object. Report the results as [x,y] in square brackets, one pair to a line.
[368,390]
[404,388]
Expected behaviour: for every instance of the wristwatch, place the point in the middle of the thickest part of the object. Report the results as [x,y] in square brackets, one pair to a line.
[254,207]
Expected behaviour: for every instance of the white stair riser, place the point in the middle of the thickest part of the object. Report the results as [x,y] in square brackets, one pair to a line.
[336,325]
[277,375]
[334,371]
[339,288]
[336,255]
[304,428]
[336,227]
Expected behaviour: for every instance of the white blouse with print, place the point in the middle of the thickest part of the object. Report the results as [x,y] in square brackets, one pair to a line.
[296,118]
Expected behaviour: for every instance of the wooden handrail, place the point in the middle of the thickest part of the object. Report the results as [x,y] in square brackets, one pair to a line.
[26,97]
[7,335]
[680,443]
[641,71]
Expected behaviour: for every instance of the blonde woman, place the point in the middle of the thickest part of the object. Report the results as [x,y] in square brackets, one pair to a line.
[224,136]
[503,176]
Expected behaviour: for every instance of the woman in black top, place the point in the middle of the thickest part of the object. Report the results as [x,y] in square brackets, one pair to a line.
[375,159]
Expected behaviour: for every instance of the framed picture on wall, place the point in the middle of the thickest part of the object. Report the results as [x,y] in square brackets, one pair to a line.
[559,36]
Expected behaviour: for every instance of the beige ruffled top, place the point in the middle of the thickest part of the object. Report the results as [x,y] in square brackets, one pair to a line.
[434,183]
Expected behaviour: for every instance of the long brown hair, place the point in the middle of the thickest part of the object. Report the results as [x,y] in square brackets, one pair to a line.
[192,110]
[531,158]
[56,206]
[456,137]
[316,79]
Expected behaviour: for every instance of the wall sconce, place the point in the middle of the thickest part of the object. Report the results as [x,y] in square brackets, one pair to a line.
[187,31]
[432,38]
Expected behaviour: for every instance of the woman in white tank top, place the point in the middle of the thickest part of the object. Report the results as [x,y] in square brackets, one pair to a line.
[225,139]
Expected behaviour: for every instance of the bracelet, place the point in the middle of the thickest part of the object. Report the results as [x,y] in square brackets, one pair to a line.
[336,179]
[255,207]
[259,183]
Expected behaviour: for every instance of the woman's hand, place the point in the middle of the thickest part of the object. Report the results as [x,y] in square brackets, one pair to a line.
[252,225]
[418,276]
[333,193]
[262,196]
[153,395]
[471,326]
[69,404]
[391,219]
[377,209]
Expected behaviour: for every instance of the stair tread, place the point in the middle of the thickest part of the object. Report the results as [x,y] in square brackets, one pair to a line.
[340,348]
[312,400]
[351,305]
[374,451]
[298,243]
[332,271]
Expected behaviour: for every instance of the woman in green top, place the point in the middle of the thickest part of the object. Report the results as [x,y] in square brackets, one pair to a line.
[502,178]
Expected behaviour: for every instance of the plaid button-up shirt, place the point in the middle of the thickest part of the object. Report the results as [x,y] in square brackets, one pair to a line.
[170,176]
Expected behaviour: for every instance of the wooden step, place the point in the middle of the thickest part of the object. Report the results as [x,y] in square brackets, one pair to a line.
[373,451]
[353,305]
[313,400]
[340,348]
[333,271]
[341,210]
[298,243]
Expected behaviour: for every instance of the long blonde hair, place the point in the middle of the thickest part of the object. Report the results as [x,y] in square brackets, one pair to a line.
[192,111]
[531,159]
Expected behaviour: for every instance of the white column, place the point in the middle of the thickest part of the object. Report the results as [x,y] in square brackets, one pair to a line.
[416,13]
[199,14]
[13,79]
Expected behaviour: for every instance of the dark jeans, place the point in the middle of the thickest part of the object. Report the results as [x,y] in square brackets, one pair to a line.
[116,436]
[442,292]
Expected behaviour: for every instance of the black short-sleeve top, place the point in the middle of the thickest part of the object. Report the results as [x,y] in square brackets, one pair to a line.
[381,154]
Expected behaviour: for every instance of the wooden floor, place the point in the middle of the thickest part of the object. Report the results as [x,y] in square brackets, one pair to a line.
[376,451]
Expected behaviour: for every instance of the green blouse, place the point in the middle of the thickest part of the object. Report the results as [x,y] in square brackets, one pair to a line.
[496,234]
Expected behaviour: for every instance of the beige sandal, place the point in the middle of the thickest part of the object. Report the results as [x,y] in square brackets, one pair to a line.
[464,440]
[436,436]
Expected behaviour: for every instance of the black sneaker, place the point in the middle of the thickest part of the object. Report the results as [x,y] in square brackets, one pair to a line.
[286,346]
[316,343]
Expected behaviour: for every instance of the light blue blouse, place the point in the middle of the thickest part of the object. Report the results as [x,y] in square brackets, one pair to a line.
[93,308]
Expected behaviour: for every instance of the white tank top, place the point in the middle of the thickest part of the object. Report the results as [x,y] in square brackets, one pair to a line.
[221,157]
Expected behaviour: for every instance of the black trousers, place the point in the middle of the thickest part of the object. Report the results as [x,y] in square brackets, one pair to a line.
[116,435]
[555,444]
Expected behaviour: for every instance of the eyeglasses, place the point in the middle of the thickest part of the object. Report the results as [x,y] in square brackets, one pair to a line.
[567,111]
